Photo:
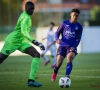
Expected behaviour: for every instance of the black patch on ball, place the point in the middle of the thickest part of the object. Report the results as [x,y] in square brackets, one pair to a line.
[62,86]
[67,86]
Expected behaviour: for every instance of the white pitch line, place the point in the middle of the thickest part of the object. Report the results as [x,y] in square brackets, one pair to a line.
[13,72]
[75,71]
[72,76]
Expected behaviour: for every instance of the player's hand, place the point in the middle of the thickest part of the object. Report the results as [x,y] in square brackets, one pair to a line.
[38,44]
[35,42]
[58,41]
[41,46]
[72,49]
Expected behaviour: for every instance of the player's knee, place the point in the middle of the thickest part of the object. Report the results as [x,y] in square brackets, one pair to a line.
[2,57]
[37,54]
[52,56]
[71,56]
[69,59]
[1,60]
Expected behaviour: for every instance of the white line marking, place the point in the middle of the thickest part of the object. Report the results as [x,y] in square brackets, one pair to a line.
[75,71]
[26,73]
[72,76]
[13,72]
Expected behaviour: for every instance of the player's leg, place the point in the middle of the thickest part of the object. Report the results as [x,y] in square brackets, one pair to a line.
[53,61]
[28,49]
[2,57]
[7,50]
[53,55]
[57,66]
[47,61]
[70,56]
[61,53]
[34,66]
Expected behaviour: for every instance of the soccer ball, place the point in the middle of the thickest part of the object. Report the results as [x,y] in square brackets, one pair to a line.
[64,82]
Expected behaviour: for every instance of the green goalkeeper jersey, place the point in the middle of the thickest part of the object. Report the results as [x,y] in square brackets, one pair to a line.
[21,31]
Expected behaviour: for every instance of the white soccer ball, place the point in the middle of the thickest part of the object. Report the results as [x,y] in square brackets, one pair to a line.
[64,82]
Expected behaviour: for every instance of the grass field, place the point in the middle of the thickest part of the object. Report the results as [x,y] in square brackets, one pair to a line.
[14,73]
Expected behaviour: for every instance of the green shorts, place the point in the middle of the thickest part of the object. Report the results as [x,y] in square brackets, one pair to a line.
[9,48]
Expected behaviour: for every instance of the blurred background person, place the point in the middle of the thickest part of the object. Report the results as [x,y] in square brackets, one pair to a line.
[50,46]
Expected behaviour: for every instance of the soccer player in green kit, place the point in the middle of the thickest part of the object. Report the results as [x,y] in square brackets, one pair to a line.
[16,41]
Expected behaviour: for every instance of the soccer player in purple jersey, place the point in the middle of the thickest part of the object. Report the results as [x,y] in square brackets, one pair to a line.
[71,32]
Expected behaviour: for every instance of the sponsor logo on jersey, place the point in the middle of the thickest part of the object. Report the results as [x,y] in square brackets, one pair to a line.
[69,34]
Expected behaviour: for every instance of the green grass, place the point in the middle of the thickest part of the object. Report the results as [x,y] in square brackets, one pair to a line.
[14,72]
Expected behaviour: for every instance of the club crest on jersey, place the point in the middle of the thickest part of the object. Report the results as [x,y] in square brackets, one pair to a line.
[76,28]
[66,26]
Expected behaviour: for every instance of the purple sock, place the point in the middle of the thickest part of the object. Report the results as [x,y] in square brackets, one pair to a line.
[69,68]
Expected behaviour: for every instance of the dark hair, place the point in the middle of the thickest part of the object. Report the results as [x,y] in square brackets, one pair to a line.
[29,4]
[76,10]
[52,23]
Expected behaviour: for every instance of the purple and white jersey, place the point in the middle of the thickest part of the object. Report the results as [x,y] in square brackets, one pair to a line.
[70,33]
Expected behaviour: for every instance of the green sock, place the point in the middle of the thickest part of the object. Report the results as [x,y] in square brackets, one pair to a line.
[34,67]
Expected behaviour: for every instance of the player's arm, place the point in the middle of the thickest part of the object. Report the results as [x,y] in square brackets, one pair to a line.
[78,38]
[46,36]
[54,41]
[24,27]
[58,32]
[51,44]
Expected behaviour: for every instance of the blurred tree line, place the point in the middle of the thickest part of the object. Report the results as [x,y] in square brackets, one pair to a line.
[95,16]
[10,11]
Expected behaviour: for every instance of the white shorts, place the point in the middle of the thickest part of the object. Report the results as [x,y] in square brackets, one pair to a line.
[52,50]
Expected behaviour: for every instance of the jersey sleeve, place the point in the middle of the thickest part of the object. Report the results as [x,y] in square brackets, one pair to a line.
[59,30]
[24,27]
[78,38]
